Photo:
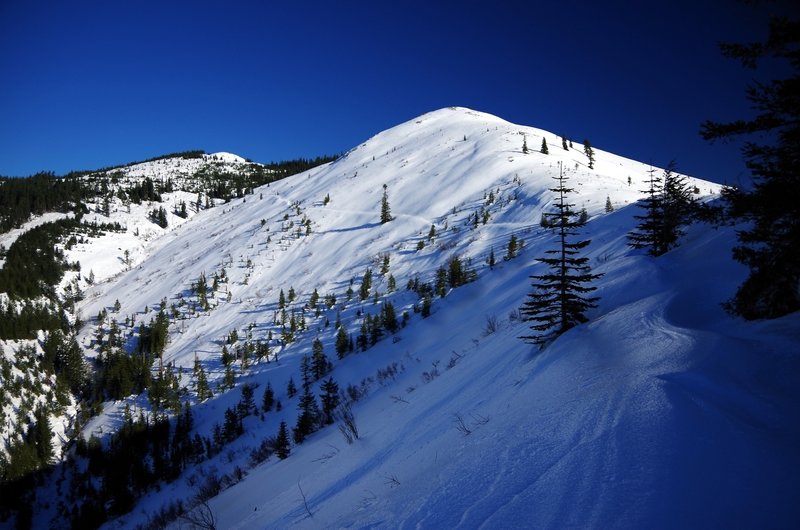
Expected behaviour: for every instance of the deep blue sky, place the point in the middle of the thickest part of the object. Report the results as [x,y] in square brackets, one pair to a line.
[87,84]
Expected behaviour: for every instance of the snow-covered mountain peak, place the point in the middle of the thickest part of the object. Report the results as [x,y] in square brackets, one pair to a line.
[461,423]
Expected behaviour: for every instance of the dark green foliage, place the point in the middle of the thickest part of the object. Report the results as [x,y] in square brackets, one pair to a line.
[544,149]
[308,419]
[21,198]
[389,317]
[203,389]
[769,245]
[426,306]
[366,285]
[511,251]
[320,365]
[457,273]
[341,343]
[441,282]
[587,148]
[609,206]
[564,143]
[66,359]
[268,399]
[33,263]
[246,405]
[491,259]
[558,302]
[668,206]
[386,214]
[291,389]
[282,448]
[329,399]
[524,144]
[153,337]
[159,216]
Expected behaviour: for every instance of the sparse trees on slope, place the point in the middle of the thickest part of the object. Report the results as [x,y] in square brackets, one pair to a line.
[559,302]
[769,246]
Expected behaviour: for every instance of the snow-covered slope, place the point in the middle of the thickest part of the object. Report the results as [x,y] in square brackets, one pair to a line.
[661,411]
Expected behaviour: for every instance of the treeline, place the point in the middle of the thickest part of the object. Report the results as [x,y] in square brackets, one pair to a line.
[293,167]
[20,198]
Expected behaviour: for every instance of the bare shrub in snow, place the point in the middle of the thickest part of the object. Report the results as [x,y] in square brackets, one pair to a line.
[348,426]
[492,325]
[201,517]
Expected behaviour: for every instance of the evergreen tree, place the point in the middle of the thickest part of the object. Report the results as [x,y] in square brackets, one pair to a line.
[308,419]
[668,207]
[281,300]
[329,399]
[320,365]
[587,148]
[609,206]
[291,389]
[648,231]
[769,245]
[544,149]
[512,247]
[524,144]
[491,261]
[366,285]
[247,404]
[558,302]
[341,342]
[386,214]
[269,398]
[203,390]
[43,437]
[282,449]
[564,143]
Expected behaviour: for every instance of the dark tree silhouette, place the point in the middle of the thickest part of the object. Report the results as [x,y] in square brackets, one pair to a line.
[559,302]
[769,246]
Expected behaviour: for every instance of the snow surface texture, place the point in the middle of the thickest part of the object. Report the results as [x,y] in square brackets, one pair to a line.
[662,411]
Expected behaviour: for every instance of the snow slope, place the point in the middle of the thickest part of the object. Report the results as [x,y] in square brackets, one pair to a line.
[660,412]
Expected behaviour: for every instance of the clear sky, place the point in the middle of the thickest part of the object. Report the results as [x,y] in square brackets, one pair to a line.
[88,84]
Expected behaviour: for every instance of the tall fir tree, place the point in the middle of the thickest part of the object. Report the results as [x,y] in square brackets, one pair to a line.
[320,365]
[386,213]
[282,448]
[647,233]
[330,399]
[544,149]
[668,206]
[341,342]
[268,399]
[769,244]
[524,144]
[559,302]
[587,148]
